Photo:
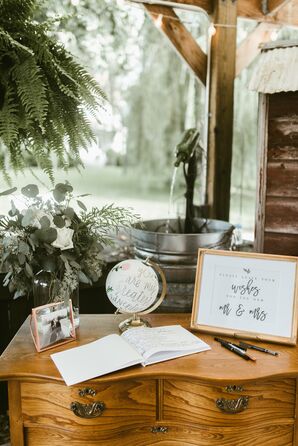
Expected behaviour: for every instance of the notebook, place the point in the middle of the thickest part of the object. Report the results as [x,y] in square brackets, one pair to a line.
[142,345]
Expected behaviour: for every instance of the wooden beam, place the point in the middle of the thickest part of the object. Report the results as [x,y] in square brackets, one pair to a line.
[220,132]
[276,11]
[206,5]
[275,5]
[186,46]
[288,14]
[248,50]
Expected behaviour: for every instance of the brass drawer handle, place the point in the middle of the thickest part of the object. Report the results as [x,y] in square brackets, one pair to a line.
[232,406]
[87,391]
[159,429]
[92,410]
[234,388]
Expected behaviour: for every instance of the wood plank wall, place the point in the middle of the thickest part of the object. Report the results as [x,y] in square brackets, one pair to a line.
[281,197]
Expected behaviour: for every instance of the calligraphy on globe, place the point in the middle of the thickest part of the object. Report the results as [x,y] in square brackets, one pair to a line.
[132,286]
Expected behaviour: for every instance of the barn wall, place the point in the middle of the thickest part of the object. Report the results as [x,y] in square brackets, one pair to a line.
[278,202]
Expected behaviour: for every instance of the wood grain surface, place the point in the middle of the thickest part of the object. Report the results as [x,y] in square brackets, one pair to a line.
[177,435]
[192,402]
[129,403]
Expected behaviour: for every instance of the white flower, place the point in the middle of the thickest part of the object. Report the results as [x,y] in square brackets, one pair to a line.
[64,238]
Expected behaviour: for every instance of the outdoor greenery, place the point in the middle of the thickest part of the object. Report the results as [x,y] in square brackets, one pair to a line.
[45,94]
[153,97]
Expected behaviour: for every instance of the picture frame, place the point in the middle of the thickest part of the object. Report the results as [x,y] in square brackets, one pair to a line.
[52,325]
[248,295]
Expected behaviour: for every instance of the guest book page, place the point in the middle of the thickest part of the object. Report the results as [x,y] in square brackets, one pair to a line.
[161,343]
[135,346]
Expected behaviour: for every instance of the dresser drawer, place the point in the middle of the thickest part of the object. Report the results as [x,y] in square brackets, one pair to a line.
[274,435]
[207,404]
[112,405]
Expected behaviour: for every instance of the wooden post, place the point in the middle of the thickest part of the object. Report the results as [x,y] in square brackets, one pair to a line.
[221,91]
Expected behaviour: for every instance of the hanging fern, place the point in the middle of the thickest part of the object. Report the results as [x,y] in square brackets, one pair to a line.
[44,93]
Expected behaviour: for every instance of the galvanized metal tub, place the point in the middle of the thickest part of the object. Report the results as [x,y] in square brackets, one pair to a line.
[176,253]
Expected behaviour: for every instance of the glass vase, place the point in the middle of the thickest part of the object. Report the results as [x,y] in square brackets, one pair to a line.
[44,288]
[74,296]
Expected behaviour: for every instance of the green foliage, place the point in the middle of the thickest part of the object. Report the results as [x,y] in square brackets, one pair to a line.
[50,234]
[45,94]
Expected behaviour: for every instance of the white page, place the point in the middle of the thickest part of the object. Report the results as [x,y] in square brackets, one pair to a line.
[97,358]
[162,340]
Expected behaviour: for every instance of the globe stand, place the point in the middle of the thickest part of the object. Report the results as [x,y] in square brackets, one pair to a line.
[132,322]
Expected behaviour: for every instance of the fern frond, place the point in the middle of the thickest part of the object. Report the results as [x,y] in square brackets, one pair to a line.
[46,92]
[31,90]
[9,122]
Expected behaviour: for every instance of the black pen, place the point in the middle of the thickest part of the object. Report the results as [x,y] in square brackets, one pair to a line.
[235,349]
[256,347]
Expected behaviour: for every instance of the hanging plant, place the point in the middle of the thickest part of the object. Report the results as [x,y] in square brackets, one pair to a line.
[45,94]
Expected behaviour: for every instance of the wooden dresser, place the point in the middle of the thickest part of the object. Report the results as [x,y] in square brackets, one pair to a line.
[207,399]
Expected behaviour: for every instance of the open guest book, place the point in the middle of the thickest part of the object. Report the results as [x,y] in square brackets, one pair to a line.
[135,346]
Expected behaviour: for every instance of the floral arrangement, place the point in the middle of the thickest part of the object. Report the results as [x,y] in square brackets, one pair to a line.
[50,234]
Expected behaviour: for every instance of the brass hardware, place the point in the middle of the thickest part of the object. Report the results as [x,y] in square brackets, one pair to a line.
[92,410]
[159,429]
[234,388]
[87,391]
[232,406]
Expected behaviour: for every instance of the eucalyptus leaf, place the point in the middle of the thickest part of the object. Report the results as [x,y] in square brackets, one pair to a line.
[82,206]
[19,293]
[7,278]
[21,258]
[33,240]
[30,191]
[59,221]
[44,222]
[24,248]
[83,278]
[63,188]
[13,211]
[5,256]
[75,264]
[69,212]
[59,196]
[65,261]
[46,235]
[8,191]
[28,270]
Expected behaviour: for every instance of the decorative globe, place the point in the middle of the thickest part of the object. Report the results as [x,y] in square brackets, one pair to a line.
[132,286]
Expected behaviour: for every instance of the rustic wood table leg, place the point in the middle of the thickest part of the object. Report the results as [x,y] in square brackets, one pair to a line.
[15,414]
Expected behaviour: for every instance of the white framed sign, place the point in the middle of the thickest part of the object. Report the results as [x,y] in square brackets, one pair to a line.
[246,295]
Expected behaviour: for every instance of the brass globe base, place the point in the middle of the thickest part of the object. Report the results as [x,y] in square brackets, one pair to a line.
[132,322]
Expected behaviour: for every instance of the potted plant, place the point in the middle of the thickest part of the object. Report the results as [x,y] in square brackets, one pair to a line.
[45,95]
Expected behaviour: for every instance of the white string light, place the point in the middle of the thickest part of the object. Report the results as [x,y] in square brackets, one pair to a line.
[158,21]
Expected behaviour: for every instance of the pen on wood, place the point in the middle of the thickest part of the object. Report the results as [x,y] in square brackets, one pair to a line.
[235,349]
[244,345]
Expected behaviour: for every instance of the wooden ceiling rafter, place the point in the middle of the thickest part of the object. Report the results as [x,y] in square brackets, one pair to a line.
[260,10]
[182,40]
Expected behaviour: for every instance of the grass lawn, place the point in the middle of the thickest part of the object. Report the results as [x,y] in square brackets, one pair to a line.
[111,184]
